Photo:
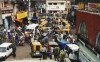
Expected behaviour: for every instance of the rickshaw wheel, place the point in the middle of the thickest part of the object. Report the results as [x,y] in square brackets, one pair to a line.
[31,54]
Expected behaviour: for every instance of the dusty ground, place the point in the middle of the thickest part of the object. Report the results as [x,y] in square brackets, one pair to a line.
[22,52]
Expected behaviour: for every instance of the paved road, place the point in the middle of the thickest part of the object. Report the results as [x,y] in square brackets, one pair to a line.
[22,52]
[35,60]
[32,60]
[23,55]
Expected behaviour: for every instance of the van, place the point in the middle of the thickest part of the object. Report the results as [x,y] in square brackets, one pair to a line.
[5,50]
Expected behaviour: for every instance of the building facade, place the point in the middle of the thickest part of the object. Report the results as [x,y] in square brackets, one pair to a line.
[55,5]
[88,30]
[6,8]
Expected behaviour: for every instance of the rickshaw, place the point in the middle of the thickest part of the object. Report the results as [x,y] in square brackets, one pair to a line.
[44,23]
[53,44]
[72,50]
[36,49]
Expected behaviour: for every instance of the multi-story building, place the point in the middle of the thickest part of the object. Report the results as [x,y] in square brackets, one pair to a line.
[6,12]
[58,7]
[6,8]
[88,30]
[68,6]
[55,5]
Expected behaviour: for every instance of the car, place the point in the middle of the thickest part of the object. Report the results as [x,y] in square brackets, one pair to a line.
[5,50]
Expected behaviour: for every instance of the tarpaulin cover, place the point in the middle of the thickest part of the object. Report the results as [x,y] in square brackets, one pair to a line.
[34,19]
[22,14]
[62,44]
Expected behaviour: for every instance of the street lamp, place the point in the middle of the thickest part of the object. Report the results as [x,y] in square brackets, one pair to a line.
[29,9]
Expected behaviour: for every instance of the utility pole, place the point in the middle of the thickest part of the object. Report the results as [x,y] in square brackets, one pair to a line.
[29,8]
[29,5]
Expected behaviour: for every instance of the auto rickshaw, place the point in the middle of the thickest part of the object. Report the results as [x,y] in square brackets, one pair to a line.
[36,49]
[44,23]
[73,50]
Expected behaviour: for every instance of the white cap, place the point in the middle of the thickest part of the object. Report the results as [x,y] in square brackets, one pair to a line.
[8,31]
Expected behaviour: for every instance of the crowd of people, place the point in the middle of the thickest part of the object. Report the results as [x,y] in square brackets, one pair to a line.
[19,36]
[51,34]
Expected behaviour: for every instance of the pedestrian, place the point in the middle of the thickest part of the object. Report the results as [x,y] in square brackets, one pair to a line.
[56,52]
[44,52]
[49,52]
[16,39]
[14,50]
[62,56]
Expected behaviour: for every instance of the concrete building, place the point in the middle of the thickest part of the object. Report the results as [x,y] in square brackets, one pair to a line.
[62,6]
[68,6]
[6,12]
[55,5]
[6,8]
[87,26]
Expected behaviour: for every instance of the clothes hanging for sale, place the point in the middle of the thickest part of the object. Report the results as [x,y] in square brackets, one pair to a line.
[6,24]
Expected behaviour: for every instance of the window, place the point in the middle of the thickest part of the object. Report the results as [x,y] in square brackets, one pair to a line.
[68,3]
[50,3]
[50,11]
[98,40]
[5,4]
[2,49]
[55,11]
[55,3]
[83,30]
[38,48]
[62,3]
[2,5]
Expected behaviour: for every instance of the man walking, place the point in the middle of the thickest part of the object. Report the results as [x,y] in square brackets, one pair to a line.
[14,50]
[56,52]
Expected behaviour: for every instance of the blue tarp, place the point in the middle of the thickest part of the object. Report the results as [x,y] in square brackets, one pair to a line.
[34,18]
[62,43]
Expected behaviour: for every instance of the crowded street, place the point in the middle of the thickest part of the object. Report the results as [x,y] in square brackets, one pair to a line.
[24,56]
[49,31]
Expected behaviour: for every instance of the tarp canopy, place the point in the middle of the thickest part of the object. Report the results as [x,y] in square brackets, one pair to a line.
[21,15]
[31,26]
[73,47]
[34,18]
[62,44]
[53,44]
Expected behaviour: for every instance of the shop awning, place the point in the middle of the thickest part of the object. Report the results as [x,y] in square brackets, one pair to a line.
[21,15]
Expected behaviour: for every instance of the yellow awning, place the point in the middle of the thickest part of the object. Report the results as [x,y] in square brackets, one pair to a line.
[21,15]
